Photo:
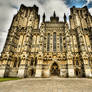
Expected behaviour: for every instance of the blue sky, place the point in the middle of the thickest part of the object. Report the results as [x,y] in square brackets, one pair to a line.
[78,3]
[8,8]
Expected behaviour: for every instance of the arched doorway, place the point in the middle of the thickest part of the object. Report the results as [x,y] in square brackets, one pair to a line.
[77,72]
[55,71]
[32,72]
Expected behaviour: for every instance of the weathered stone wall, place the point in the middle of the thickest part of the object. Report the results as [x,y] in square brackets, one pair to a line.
[30,52]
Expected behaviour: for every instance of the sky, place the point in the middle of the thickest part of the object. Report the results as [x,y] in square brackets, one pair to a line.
[8,8]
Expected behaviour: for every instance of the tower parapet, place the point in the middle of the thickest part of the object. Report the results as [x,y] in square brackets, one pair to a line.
[80,17]
[27,16]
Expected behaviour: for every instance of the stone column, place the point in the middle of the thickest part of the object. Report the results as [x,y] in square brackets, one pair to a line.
[69,52]
[38,70]
[3,68]
[40,54]
[70,69]
[22,69]
[63,71]
[87,69]
[46,71]
[39,66]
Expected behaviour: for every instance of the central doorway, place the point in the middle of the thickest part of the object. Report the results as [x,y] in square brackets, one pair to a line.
[55,71]
[77,72]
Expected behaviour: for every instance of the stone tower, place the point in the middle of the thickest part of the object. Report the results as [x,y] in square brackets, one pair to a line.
[81,30]
[18,43]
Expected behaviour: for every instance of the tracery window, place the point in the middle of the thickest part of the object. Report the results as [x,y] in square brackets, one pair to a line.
[19,62]
[54,41]
[48,42]
[32,62]
[15,63]
[77,63]
[35,61]
[60,42]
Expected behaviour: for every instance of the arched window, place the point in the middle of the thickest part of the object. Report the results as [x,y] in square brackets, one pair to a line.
[15,63]
[32,72]
[77,72]
[19,62]
[73,62]
[32,61]
[54,41]
[60,42]
[48,42]
[35,61]
[77,63]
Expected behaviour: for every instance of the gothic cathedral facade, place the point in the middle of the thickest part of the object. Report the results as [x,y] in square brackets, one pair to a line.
[56,48]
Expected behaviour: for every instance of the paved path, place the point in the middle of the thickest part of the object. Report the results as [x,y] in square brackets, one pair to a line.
[47,85]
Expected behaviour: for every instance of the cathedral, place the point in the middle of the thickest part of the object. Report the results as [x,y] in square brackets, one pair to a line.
[52,48]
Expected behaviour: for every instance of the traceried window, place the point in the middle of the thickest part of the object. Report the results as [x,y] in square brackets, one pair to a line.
[32,62]
[54,41]
[35,61]
[60,42]
[77,63]
[15,63]
[48,42]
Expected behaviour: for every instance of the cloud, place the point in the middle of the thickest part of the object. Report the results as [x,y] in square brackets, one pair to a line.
[88,1]
[50,6]
[77,3]
[6,16]
[89,4]
[10,7]
[90,10]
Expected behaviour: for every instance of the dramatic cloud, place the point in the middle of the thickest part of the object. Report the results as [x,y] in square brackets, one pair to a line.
[77,3]
[10,7]
[6,15]
[88,2]
[57,5]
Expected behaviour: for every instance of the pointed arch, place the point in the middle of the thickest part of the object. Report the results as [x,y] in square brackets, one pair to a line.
[77,63]
[32,61]
[35,61]
[15,62]
[54,70]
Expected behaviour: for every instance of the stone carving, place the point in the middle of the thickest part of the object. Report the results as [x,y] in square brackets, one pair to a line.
[69,51]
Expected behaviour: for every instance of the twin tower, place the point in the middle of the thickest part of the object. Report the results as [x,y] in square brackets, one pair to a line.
[53,49]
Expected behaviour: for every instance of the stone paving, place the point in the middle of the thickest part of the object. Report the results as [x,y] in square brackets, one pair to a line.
[47,85]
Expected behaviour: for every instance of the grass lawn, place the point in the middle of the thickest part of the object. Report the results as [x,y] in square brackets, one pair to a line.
[8,79]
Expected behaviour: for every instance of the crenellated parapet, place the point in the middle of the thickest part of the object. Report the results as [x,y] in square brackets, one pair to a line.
[80,17]
[27,16]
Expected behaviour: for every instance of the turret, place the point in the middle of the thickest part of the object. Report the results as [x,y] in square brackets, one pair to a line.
[44,17]
[54,18]
[54,14]
[65,18]
[36,8]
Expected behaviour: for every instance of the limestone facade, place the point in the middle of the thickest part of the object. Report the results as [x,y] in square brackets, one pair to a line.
[53,49]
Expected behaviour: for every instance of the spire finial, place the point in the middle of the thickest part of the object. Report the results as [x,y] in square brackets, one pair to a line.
[44,17]
[64,17]
[54,14]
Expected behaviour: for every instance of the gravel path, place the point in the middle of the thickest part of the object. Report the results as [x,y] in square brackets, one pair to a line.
[47,85]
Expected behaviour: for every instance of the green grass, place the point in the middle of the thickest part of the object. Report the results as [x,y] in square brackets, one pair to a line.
[8,79]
